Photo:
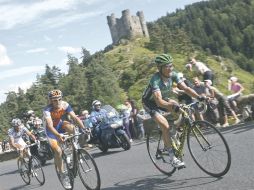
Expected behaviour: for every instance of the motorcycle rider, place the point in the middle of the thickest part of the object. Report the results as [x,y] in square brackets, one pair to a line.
[99,118]
[29,119]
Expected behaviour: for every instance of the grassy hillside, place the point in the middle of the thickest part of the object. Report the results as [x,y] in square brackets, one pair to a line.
[135,59]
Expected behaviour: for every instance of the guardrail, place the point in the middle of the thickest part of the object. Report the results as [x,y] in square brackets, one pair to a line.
[4,156]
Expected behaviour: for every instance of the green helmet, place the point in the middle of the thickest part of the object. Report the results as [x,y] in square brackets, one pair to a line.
[163,59]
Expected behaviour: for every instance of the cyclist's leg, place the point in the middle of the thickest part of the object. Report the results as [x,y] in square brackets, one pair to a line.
[68,127]
[57,153]
[164,125]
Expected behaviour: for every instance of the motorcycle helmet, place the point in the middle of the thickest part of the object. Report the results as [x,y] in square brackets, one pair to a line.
[96,103]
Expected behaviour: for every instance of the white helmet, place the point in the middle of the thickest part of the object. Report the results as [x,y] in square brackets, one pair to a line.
[233,79]
[95,103]
[180,75]
[37,121]
[16,122]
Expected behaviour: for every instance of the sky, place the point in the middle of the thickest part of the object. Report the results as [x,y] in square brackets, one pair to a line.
[36,33]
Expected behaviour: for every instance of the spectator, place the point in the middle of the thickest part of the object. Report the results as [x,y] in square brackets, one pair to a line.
[200,68]
[133,119]
[125,114]
[84,117]
[181,95]
[236,88]
[200,89]
[140,128]
[223,104]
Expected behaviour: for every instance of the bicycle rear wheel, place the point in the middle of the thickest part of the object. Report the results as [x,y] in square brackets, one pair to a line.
[88,170]
[209,148]
[157,152]
[24,170]
[37,171]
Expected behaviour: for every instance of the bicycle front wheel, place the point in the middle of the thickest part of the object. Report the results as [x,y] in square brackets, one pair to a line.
[66,175]
[37,171]
[24,170]
[209,148]
[157,152]
[88,170]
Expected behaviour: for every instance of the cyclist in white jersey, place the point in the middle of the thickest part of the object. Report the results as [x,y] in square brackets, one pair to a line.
[15,136]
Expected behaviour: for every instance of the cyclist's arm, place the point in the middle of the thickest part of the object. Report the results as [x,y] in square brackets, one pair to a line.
[162,103]
[187,90]
[77,120]
[30,134]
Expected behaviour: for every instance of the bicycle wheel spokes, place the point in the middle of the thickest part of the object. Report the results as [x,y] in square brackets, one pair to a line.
[24,171]
[37,171]
[88,170]
[209,149]
[158,154]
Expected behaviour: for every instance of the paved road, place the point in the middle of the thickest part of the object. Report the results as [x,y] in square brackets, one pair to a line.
[132,170]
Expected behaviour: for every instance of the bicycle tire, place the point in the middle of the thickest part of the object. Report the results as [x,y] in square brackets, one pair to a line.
[24,174]
[37,171]
[86,167]
[215,153]
[157,153]
[66,170]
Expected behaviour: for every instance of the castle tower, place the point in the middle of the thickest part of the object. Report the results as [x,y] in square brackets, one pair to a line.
[113,27]
[127,27]
[141,16]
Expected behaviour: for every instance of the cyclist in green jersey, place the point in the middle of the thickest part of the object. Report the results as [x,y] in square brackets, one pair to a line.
[156,98]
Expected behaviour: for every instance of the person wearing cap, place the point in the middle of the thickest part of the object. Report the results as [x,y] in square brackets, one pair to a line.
[223,104]
[236,89]
[181,96]
[201,68]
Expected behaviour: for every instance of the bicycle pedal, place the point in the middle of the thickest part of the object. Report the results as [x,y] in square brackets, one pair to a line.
[182,167]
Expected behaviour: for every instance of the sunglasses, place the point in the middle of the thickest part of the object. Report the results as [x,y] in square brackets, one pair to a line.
[168,65]
[57,100]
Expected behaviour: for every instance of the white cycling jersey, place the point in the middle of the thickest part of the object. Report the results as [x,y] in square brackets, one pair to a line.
[17,136]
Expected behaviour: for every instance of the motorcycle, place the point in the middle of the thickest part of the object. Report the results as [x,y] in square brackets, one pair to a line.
[43,151]
[111,136]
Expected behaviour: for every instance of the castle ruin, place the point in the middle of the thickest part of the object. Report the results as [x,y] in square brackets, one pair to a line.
[127,27]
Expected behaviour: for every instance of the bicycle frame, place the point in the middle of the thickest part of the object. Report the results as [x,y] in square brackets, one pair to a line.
[187,124]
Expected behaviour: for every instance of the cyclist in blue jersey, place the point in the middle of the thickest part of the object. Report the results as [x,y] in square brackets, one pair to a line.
[156,98]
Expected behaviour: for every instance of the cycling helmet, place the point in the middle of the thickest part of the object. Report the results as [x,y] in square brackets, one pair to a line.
[54,94]
[163,59]
[30,113]
[96,102]
[16,122]
[37,121]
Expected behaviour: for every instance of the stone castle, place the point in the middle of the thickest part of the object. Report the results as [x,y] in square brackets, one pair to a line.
[127,27]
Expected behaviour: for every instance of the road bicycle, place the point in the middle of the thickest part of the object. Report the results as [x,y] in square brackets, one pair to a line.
[78,161]
[206,144]
[30,166]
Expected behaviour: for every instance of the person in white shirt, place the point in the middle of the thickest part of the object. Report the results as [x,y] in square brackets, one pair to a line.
[200,68]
